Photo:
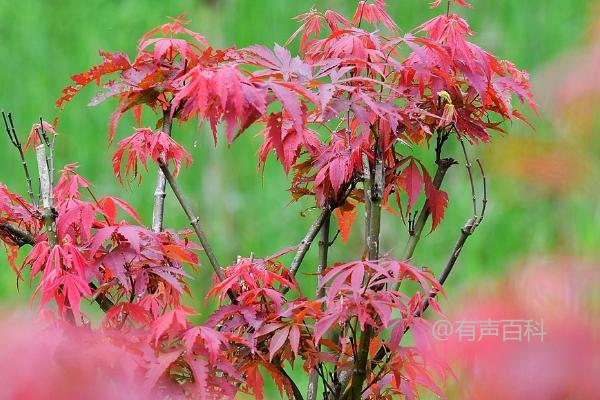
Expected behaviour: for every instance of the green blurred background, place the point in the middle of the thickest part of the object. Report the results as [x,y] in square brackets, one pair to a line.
[543,195]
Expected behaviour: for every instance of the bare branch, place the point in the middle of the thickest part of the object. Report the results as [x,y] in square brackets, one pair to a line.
[305,244]
[19,237]
[14,139]
[195,222]
[466,231]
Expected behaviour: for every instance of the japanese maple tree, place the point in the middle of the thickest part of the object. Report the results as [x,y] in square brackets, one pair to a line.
[343,117]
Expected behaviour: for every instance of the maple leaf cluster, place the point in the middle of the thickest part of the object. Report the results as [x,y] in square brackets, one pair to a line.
[357,98]
[359,84]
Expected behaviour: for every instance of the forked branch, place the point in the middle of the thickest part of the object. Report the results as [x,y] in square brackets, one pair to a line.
[14,139]
[416,228]
[467,230]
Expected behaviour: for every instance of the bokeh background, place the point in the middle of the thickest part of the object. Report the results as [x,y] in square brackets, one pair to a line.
[543,183]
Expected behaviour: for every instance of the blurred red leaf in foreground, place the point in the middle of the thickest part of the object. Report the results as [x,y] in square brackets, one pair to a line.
[563,293]
[52,361]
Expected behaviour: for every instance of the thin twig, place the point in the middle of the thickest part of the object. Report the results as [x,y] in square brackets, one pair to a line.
[485,199]
[470,173]
[465,232]
[326,387]
[14,139]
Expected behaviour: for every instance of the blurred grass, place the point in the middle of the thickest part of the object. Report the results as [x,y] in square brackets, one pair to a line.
[42,43]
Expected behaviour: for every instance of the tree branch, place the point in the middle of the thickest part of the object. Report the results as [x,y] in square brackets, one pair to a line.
[443,165]
[103,301]
[305,244]
[14,139]
[21,238]
[49,214]
[374,186]
[367,189]
[467,230]
[295,389]
[161,182]
[195,222]
[313,381]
